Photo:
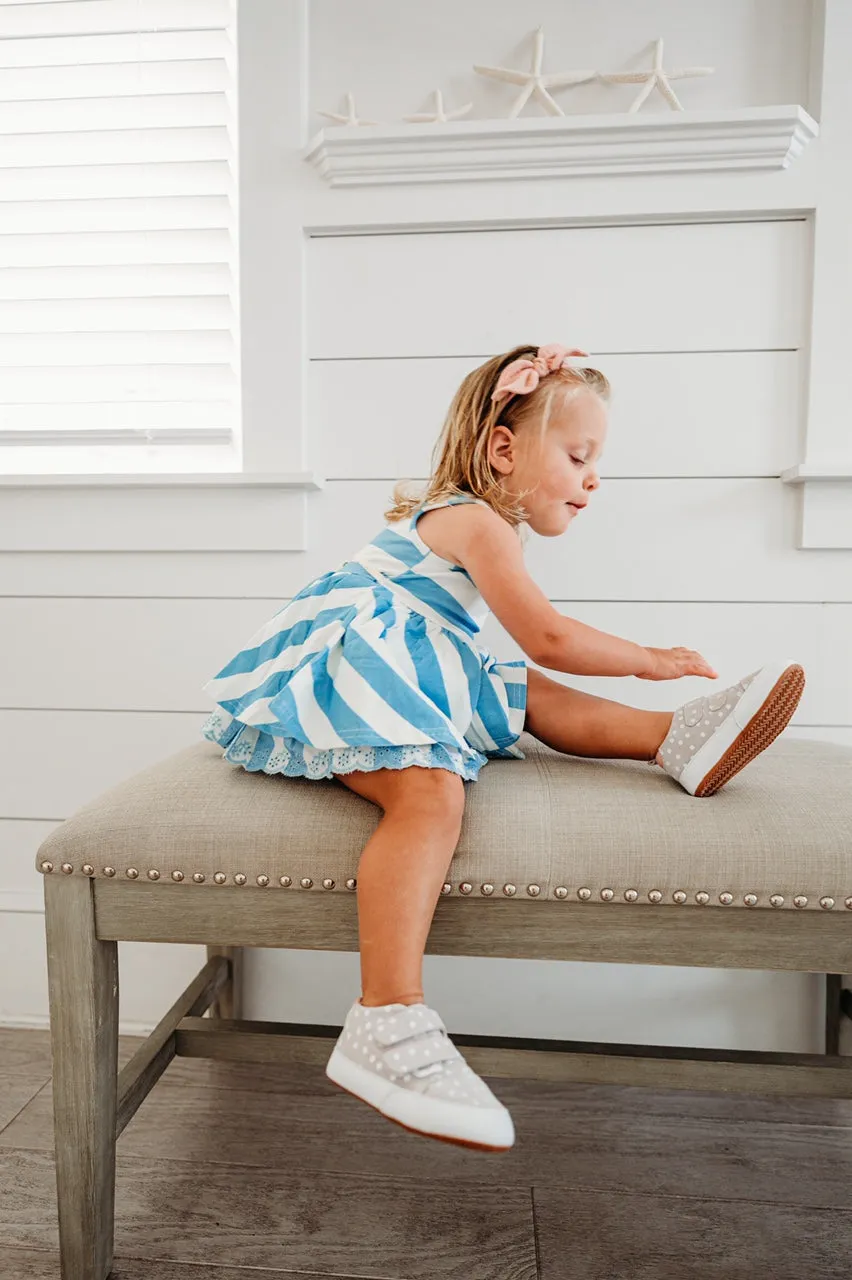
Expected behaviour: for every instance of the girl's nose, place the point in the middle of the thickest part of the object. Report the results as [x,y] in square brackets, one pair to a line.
[592,481]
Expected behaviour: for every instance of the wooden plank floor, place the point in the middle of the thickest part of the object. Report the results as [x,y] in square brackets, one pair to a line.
[229,1171]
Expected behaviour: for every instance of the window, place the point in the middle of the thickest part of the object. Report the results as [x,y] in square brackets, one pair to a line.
[119,345]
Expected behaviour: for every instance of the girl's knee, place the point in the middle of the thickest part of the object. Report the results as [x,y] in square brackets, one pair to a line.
[437,793]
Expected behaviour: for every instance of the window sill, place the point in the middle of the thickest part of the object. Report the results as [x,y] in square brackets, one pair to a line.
[825,514]
[211,512]
[817,471]
[165,480]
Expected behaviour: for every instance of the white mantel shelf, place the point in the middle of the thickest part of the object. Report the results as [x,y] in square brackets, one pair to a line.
[561,146]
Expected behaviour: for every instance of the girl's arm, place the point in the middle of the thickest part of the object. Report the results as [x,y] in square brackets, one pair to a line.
[491,553]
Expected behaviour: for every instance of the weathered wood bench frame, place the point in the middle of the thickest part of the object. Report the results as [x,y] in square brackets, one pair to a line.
[93,1102]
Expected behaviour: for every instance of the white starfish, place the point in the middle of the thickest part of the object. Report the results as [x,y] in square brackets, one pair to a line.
[657,78]
[439,115]
[350,117]
[534,82]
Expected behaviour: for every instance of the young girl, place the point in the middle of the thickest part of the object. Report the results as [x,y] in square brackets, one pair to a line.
[373,675]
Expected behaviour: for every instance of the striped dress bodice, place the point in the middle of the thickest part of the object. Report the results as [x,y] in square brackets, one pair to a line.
[403,559]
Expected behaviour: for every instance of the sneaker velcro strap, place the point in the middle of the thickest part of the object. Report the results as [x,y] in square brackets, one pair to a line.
[422,1051]
[404,1024]
[694,711]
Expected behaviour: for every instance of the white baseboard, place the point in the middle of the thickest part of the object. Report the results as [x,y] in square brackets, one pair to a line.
[42,1023]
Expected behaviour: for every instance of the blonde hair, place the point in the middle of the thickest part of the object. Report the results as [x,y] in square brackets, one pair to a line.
[460,456]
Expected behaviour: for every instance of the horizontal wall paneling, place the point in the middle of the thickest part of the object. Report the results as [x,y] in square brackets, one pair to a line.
[690,539]
[625,288]
[154,655]
[731,413]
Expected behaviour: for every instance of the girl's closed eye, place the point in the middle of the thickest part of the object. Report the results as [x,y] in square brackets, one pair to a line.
[581,461]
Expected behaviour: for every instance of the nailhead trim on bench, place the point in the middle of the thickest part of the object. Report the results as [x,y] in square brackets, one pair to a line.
[583,894]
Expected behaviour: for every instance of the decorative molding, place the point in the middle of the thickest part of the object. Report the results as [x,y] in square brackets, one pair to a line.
[825,513]
[825,477]
[562,146]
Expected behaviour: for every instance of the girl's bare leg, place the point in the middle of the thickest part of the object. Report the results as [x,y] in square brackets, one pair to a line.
[400,874]
[584,725]
[405,861]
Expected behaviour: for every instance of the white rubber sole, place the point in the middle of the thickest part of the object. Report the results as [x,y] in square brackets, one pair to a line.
[722,739]
[485,1128]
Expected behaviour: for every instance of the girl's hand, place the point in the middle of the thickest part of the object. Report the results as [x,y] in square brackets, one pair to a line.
[671,664]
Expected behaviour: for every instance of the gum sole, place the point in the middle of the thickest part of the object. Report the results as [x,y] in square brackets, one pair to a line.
[421,1133]
[764,727]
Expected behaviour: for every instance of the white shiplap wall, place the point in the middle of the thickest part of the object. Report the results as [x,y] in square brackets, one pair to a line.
[702,327]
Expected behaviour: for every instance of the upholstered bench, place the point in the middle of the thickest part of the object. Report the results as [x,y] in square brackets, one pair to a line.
[559,858]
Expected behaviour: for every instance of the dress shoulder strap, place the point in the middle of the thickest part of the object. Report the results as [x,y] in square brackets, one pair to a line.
[443,502]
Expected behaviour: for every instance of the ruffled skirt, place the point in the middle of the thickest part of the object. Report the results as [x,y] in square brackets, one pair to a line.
[257,750]
[346,677]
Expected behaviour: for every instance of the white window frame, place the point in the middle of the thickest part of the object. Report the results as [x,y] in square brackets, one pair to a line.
[266,447]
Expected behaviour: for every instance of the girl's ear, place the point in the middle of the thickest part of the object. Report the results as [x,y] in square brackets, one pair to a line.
[501,450]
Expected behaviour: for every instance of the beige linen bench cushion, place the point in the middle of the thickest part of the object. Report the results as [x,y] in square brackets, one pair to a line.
[778,836]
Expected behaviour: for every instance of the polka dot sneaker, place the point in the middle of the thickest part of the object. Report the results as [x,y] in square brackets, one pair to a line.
[400,1059]
[713,737]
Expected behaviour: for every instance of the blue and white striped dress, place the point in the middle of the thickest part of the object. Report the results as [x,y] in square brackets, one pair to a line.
[373,665]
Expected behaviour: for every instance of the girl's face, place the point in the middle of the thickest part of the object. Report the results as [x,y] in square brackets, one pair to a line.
[560,469]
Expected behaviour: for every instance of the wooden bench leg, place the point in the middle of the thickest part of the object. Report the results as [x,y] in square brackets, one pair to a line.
[228,1003]
[83,988]
[833,1011]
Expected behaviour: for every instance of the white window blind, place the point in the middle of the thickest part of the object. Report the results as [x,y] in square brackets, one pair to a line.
[118,239]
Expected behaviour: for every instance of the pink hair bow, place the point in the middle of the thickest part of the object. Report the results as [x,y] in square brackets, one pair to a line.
[523,375]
